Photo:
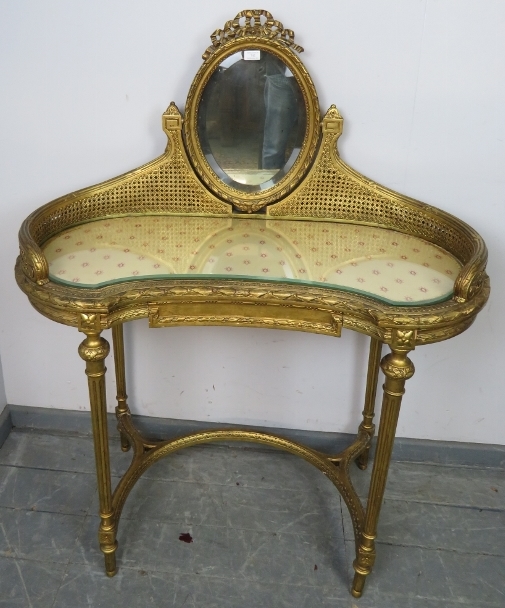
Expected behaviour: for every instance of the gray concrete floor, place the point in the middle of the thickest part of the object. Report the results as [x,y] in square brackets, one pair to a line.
[268,530]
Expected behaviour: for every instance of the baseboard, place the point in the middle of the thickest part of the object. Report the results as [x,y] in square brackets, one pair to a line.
[450,453]
[5,424]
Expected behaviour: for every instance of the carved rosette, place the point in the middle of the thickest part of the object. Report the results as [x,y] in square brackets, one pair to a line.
[403,340]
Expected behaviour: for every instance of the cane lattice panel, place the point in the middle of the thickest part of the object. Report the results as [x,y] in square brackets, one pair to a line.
[167,186]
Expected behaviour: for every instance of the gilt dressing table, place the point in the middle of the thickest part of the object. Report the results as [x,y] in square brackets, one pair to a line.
[250,218]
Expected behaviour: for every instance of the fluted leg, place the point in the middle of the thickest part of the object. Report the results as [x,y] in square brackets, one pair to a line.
[94,349]
[367,425]
[119,364]
[397,368]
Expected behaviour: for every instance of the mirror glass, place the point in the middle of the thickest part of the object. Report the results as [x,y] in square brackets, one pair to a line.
[251,120]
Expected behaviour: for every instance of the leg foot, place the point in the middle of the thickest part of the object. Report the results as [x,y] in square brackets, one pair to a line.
[362,460]
[397,368]
[110,563]
[357,585]
[108,543]
[94,349]
[125,442]
[363,564]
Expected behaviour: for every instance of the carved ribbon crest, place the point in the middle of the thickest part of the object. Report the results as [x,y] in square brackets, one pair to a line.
[252,22]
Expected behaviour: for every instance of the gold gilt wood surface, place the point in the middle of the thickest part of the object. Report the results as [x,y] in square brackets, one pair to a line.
[253,201]
[248,23]
[274,306]
[331,191]
[325,189]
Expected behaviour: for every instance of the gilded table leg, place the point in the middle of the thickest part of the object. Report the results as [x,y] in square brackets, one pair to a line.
[367,425]
[119,363]
[397,368]
[94,349]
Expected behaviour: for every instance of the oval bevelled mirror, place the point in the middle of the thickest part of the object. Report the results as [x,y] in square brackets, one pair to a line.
[251,120]
[252,116]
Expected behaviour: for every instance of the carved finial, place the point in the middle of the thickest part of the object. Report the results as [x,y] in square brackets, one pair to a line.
[172,110]
[333,121]
[171,119]
[333,112]
[252,22]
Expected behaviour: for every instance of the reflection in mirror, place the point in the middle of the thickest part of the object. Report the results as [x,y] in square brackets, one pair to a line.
[251,120]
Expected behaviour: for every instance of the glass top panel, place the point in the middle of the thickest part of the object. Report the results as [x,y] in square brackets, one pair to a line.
[383,264]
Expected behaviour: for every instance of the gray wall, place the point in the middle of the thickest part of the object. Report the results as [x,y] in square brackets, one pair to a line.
[3,398]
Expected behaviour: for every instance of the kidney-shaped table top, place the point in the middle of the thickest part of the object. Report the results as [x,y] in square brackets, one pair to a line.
[387,265]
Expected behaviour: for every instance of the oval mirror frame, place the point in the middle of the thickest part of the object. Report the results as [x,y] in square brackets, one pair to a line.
[252,201]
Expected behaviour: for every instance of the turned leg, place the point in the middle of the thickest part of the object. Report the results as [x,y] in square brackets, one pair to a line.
[367,425]
[93,350]
[119,363]
[397,368]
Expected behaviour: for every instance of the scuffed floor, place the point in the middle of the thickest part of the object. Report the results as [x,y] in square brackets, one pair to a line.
[234,527]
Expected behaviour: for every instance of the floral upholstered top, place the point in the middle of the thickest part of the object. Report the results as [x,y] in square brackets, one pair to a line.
[383,264]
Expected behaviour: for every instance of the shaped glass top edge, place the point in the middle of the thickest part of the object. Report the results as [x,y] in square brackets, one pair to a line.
[248,279]
[323,253]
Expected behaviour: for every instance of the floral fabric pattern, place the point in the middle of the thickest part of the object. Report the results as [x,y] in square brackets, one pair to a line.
[383,263]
